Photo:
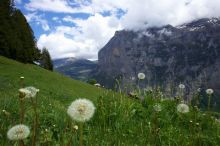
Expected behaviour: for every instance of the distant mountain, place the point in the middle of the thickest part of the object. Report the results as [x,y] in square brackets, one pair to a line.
[80,69]
[168,55]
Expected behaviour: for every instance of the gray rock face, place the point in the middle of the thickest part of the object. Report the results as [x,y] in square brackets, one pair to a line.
[188,54]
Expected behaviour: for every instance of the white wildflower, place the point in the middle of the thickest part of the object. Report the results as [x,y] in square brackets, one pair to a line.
[132,78]
[18,132]
[21,77]
[81,110]
[181,86]
[97,85]
[29,92]
[209,91]
[76,127]
[141,76]
[157,107]
[33,91]
[25,93]
[183,108]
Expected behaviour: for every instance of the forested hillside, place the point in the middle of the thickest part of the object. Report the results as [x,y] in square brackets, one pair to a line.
[17,40]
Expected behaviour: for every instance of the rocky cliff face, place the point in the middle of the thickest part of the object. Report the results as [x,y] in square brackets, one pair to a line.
[188,54]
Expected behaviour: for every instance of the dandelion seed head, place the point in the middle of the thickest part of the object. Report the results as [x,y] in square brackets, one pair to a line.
[33,91]
[29,92]
[25,93]
[181,86]
[18,132]
[81,110]
[141,76]
[183,108]
[209,91]
[157,107]
[76,127]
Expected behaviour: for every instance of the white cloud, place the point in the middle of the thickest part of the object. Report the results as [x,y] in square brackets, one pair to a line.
[18,1]
[68,19]
[59,6]
[82,41]
[33,17]
[86,37]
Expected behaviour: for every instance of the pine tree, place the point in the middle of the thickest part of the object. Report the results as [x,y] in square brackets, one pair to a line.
[45,60]
[17,40]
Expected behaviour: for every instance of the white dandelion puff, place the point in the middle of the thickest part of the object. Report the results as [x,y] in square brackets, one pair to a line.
[183,108]
[209,91]
[29,92]
[157,107]
[25,93]
[132,78]
[75,127]
[33,91]
[141,76]
[81,110]
[181,86]
[18,132]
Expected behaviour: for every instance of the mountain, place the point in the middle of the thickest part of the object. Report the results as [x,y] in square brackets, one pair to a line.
[168,56]
[80,69]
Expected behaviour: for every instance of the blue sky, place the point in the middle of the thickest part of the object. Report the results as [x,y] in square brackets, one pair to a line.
[80,28]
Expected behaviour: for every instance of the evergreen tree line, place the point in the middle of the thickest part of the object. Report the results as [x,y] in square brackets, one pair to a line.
[17,39]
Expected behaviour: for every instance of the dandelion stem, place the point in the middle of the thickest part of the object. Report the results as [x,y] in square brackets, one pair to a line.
[21,143]
[34,136]
[81,135]
[21,108]
[209,101]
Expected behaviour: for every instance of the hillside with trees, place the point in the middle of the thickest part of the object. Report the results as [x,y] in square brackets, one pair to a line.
[17,40]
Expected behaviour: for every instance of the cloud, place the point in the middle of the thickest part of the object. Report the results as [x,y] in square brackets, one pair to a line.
[68,19]
[145,13]
[33,17]
[58,6]
[18,1]
[82,41]
[87,36]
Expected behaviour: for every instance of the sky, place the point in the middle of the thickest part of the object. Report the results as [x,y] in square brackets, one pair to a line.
[80,28]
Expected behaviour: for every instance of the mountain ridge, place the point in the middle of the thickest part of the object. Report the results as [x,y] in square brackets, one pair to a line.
[168,55]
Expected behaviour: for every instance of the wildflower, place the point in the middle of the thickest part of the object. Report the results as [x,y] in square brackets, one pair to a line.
[209,91]
[97,85]
[157,107]
[33,91]
[6,113]
[199,90]
[81,110]
[29,92]
[181,86]
[24,92]
[183,108]
[18,132]
[75,127]
[132,78]
[21,77]
[141,76]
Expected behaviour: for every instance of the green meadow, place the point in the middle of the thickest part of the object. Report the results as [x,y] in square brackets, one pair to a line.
[119,120]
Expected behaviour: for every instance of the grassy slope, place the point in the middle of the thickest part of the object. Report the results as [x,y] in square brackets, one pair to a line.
[56,93]
[118,120]
[51,84]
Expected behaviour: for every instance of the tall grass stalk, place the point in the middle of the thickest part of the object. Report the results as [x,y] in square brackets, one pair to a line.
[81,134]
